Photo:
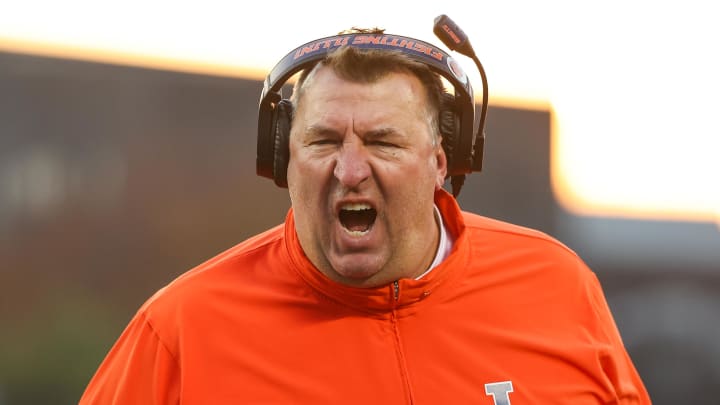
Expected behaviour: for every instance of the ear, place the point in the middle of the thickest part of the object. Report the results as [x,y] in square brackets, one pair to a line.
[441,162]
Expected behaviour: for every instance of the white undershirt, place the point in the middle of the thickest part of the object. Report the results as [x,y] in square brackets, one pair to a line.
[444,246]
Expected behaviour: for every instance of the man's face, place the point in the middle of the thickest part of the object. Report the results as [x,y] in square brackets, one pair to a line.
[362,173]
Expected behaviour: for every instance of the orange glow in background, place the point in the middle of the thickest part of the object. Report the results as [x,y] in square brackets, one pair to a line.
[632,86]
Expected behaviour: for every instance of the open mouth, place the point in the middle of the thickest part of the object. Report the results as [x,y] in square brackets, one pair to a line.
[357,219]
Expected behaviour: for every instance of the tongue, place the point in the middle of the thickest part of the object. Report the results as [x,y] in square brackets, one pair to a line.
[357,221]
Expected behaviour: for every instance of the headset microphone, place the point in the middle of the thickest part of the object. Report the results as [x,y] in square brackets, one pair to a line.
[454,38]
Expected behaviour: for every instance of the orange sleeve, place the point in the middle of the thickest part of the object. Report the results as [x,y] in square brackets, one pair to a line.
[139,369]
[614,360]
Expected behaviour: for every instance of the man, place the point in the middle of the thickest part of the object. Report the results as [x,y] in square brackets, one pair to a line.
[377,289]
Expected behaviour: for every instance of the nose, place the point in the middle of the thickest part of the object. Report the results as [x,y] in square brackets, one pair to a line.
[352,166]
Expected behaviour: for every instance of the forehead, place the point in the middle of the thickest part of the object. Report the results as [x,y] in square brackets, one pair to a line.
[393,92]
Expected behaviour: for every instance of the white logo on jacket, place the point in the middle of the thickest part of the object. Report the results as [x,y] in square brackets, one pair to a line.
[500,392]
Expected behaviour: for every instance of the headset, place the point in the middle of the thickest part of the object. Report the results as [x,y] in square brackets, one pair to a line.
[462,144]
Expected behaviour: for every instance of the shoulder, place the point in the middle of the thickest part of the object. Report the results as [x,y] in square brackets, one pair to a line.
[230,269]
[486,229]
[530,268]
[227,285]
[523,256]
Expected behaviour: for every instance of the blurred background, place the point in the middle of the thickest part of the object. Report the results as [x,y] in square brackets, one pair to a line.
[127,157]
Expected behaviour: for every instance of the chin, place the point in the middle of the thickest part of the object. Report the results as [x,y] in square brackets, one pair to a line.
[357,275]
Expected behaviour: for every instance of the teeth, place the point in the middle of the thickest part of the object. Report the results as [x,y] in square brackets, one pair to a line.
[356,233]
[356,207]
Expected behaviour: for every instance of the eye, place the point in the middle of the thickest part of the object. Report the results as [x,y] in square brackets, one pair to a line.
[384,144]
[325,141]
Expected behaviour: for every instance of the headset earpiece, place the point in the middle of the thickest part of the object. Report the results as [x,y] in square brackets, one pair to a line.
[281,121]
[449,126]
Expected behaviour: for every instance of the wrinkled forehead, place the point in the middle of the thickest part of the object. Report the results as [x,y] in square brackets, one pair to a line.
[323,83]
[395,101]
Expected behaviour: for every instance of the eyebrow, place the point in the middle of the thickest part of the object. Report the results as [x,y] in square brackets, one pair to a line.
[381,133]
[319,130]
[314,130]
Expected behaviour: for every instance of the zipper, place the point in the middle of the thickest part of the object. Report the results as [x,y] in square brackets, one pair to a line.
[398,345]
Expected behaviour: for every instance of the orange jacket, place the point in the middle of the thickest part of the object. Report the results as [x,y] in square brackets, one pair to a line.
[511,316]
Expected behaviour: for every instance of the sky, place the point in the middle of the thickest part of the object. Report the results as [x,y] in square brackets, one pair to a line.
[632,85]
